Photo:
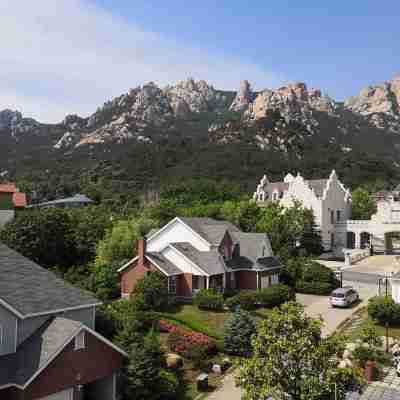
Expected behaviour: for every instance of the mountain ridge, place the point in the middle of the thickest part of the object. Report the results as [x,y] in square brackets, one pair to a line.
[284,119]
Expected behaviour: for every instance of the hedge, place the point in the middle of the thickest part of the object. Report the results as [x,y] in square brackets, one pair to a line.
[315,287]
[274,296]
[270,297]
[209,299]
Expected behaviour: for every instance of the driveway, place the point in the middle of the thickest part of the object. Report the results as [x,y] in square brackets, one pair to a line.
[314,306]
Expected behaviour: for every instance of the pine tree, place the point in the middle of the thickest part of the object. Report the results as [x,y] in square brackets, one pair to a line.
[144,369]
[238,334]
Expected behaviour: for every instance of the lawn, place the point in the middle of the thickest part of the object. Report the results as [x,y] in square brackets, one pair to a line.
[211,323]
[353,327]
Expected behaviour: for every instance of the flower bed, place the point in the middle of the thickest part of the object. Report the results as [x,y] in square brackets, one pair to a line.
[181,340]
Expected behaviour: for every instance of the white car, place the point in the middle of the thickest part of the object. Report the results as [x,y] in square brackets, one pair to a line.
[343,297]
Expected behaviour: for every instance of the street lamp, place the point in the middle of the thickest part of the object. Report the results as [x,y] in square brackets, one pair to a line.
[339,275]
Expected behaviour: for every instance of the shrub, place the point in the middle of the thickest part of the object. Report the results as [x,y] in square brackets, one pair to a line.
[239,331]
[209,299]
[274,295]
[180,340]
[319,288]
[246,301]
[233,302]
[152,292]
[369,334]
[228,293]
[384,309]
[168,384]
[313,271]
[309,277]
[198,354]
[363,354]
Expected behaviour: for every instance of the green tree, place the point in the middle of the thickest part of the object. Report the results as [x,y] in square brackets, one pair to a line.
[363,204]
[238,333]
[44,236]
[291,230]
[244,214]
[151,293]
[369,334]
[119,243]
[144,370]
[105,281]
[290,359]
[88,227]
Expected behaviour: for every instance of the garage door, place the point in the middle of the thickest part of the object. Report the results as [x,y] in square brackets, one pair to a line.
[64,395]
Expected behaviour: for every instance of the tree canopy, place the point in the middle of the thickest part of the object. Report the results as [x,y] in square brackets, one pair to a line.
[363,206]
[291,360]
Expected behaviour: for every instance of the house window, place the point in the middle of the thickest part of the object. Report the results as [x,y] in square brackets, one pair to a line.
[195,282]
[80,341]
[172,284]
[338,216]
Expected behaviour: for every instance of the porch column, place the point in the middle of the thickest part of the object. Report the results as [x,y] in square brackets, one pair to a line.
[224,280]
[258,281]
[207,282]
[358,240]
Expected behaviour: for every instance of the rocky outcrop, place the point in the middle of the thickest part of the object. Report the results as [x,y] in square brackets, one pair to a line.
[244,97]
[191,96]
[380,104]
[13,124]
[295,103]
[132,115]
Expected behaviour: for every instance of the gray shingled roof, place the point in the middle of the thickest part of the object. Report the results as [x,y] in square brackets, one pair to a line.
[210,229]
[78,198]
[254,252]
[37,350]
[317,184]
[31,289]
[165,264]
[211,262]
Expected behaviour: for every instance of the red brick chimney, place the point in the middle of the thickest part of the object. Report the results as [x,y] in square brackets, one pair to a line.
[141,249]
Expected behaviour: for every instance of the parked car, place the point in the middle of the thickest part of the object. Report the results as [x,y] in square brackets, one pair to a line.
[343,297]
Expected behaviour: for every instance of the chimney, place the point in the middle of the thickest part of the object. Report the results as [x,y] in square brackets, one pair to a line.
[141,250]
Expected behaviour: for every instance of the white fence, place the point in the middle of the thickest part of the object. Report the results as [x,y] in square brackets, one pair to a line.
[351,256]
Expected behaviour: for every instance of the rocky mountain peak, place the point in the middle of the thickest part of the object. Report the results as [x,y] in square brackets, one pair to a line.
[9,119]
[380,104]
[294,101]
[243,97]
[190,96]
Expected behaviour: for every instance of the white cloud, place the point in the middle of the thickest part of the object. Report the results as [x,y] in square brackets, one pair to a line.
[69,56]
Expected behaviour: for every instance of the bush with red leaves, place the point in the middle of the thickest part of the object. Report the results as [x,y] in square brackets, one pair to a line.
[181,341]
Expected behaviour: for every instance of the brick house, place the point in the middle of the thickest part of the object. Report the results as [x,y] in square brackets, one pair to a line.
[198,253]
[49,349]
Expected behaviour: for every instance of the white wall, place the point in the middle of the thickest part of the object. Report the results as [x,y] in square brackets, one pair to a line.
[5,216]
[335,198]
[176,232]
[396,290]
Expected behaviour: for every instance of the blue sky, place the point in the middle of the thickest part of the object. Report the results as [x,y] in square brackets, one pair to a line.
[73,55]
